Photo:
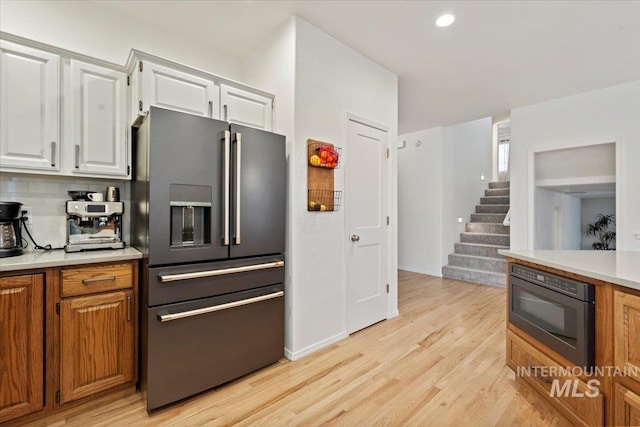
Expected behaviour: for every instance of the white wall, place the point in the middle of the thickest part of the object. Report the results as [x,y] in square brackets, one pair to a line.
[546,202]
[467,154]
[420,202]
[601,116]
[331,80]
[590,209]
[87,28]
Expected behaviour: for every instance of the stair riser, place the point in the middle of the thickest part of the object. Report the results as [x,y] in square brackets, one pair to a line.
[497,192]
[500,200]
[476,227]
[475,276]
[492,209]
[495,265]
[485,239]
[477,250]
[502,184]
[494,219]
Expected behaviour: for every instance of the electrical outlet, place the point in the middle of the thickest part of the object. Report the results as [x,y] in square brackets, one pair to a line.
[28,212]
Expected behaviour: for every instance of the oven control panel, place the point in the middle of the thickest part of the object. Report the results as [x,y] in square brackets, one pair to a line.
[567,286]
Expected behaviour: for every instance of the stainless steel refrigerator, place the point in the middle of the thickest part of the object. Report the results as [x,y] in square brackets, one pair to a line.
[208,214]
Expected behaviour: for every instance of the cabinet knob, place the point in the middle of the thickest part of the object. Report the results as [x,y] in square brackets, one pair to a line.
[355,238]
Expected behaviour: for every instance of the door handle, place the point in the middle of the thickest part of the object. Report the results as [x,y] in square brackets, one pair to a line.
[77,156]
[237,239]
[225,186]
[220,272]
[53,154]
[355,238]
[175,316]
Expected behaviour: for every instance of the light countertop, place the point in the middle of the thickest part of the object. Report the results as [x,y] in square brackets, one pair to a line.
[59,258]
[619,267]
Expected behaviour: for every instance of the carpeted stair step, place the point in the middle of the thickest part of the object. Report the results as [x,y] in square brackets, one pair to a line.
[494,200]
[486,227]
[496,192]
[479,249]
[500,184]
[492,208]
[474,276]
[486,238]
[478,262]
[488,217]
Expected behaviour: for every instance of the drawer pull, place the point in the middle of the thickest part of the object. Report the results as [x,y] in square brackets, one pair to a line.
[212,309]
[99,279]
[221,272]
[128,308]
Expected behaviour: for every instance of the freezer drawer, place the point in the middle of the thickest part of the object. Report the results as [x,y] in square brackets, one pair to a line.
[166,285]
[194,346]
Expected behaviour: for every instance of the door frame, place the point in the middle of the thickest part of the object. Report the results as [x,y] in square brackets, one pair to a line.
[348,116]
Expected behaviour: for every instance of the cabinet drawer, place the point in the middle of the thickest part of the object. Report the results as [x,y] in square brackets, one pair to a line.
[573,397]
[89,280]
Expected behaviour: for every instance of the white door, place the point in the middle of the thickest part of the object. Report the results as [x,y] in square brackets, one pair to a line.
[245,108]
[175,90]
[98,106]
[366,205]
[29,108]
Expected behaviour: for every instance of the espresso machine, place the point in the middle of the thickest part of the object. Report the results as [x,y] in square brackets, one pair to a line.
[94,225]
[10,229]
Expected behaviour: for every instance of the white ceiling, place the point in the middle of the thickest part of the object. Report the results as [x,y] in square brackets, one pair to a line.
[496,56]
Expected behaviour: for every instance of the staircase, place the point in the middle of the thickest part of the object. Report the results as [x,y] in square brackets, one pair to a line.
[476,257]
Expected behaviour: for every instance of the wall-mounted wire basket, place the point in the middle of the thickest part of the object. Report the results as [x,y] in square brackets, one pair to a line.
[324,200]
[323,155]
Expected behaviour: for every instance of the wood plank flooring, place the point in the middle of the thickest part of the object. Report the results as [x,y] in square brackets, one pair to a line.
[440,363]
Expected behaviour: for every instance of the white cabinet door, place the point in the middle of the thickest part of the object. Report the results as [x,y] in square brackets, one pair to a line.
[29,109]
[97,107]
[246,108]
[175,90]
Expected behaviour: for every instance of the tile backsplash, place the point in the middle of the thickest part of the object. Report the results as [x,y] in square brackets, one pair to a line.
[47,194]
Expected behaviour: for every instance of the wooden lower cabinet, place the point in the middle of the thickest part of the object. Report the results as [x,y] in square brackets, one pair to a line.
[626,407]
[97,348]
[580,402]
[21,345]
[67,335]
[626,344]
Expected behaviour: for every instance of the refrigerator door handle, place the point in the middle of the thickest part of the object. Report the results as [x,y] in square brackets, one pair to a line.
[212,309]
[220,272]
[237,238]
[225,186]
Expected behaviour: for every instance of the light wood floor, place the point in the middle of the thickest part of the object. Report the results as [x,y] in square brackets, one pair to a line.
[441,362]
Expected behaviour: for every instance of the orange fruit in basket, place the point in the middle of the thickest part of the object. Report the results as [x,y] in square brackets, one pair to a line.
[323,154]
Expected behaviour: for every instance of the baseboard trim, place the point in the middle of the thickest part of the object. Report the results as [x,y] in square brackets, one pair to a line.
[394,313]
[420,270]
[295,355]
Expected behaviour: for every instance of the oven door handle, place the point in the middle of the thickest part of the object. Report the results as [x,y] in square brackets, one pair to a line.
[191,313]
[220,272]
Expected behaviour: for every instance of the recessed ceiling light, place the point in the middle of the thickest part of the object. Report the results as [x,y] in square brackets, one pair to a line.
[445,20]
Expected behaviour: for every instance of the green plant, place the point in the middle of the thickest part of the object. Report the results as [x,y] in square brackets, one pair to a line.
[600,229]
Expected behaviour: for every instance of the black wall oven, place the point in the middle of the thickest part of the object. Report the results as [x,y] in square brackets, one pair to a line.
[556,311]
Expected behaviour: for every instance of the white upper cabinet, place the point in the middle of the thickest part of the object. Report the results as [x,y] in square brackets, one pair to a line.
[29,108]
[169,88]
[246,108]
[96,108]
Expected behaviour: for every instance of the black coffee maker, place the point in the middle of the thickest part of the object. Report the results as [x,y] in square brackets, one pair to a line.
[10,229]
